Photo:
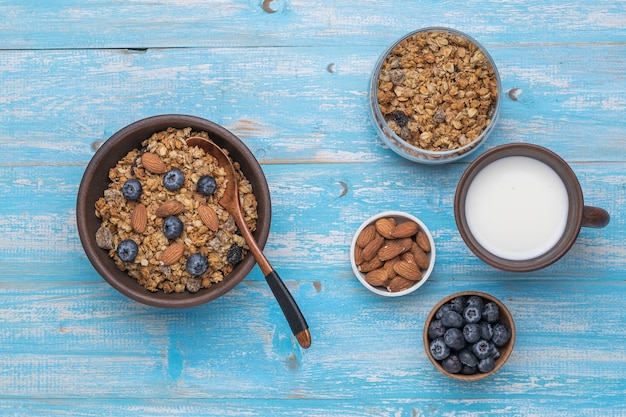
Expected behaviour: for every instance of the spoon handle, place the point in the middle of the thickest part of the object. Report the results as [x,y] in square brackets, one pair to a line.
[292,312]
[285,300]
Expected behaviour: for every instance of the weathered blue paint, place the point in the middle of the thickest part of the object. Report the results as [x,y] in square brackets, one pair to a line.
[293,85]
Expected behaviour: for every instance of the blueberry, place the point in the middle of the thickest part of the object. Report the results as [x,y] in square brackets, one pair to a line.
[471,332]
[458,304]
[486,330]
[452,319]
[438,349]
[481,349]
[127,250]
[443,309]
[172,227]
[436,329]
[173,179]
[493,351]
[501,334]
[206,185]
[486,365]
[472,314]
[235,254]
[453,337]
[197,264]
[469,370]
[475,301]
[491,312]
[452,364]
[131,190]
[467,358]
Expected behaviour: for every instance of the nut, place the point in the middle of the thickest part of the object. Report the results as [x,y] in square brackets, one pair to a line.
[366,235]
[408,257]
[358,254]
[152,163]
[388,266]
[172,254]
[384,227]
[422,241]
[399,284]
[139,218]
[421,259]
[377,277]
[408,270]
[372,248]
[209,217]
[406,229]
[170,208]
[394,248]
[371,265]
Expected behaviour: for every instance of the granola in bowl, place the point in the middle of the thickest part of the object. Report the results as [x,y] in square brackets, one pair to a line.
[161,220]
[435,95]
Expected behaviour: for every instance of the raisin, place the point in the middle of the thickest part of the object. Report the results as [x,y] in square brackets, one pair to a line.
[235,254]
[399,117]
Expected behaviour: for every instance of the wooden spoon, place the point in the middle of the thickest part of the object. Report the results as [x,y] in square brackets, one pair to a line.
[230,201]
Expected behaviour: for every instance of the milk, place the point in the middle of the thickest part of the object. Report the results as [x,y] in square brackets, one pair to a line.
[516,207]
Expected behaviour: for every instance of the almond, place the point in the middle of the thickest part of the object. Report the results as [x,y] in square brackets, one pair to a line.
[408,257]
[377,277]
[152,163]
[139,218]
[172,254]
[408,270]
[384,226]
[209,217]
[358,254]
[388,266]
[422,241]
[393,248]
[366,235]
[170,208]
[421,259]
[371,265]
[406,229]
[371,249]
[399,283]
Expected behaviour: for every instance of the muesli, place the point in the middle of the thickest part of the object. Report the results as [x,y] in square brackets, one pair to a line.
[161,217]
[437,90]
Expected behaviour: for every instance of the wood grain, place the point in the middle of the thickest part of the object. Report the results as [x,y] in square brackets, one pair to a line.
[293,84]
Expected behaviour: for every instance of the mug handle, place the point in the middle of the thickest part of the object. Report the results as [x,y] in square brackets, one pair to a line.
[595,217]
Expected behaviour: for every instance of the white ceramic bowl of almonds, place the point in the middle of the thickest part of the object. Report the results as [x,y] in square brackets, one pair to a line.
[392,253]
[435,95]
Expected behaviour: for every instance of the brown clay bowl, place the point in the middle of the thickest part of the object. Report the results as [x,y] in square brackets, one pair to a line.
[95,180]
[505,350]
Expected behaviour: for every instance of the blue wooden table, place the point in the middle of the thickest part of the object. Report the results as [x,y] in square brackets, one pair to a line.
[290,78]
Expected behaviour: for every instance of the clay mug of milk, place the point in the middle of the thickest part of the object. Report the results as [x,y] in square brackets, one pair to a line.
[519,207]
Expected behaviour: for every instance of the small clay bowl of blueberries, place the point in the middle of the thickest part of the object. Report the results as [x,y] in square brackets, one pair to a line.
[469,335]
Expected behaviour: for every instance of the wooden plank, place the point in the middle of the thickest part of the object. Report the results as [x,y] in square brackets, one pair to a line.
[196,23]
[70,100]
[388,407]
